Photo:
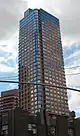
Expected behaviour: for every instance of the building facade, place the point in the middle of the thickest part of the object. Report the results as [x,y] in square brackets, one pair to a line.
[8,100]
[19,122]
[41,62]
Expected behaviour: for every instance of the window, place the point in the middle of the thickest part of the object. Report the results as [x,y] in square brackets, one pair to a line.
[32,127]
[31,95]
[35,98]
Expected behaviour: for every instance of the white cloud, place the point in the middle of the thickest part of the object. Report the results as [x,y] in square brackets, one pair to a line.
[74,55]
[11,48]
[10,13]
[5,68]
[13,11]
[35,4]
[2,59]
[73,80]
[74,101]
[11,44]
[75,59]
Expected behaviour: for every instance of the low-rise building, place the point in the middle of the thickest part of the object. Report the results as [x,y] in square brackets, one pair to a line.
[8,100]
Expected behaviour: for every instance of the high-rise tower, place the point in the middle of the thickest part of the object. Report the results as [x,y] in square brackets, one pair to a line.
[41,61]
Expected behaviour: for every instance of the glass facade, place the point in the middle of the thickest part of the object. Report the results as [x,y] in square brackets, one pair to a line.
[41,61]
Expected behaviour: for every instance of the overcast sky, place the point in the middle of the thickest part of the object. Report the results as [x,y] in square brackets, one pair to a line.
[11,11]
